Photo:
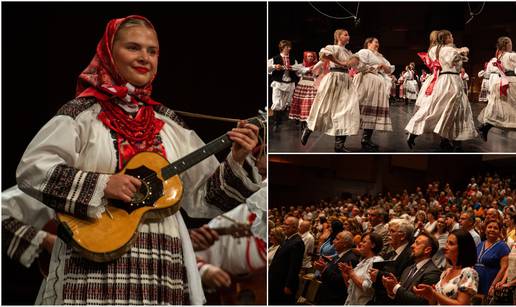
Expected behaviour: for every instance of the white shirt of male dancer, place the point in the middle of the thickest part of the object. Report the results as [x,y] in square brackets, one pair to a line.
[282,91]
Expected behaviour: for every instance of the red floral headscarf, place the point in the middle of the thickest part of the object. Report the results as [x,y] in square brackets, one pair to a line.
[305,58]
[101,79]
[102,74]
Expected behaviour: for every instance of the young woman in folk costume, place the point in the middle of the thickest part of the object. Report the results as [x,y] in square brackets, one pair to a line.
[410,83]
[305,91]
[394,81]
[373,86]
[485,74]
[500,111]
[448,112]
[70,166]
[401,87]
[335,110]
[422,98]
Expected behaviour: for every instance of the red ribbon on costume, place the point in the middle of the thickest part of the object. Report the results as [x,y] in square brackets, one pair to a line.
[261,247]
[433,65]
[251,217]
[426,59]
[504,83]
[424,75]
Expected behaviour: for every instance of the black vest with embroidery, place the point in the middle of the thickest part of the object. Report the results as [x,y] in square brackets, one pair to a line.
[277,75]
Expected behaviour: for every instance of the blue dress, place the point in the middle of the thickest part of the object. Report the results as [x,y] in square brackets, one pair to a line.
[488,263]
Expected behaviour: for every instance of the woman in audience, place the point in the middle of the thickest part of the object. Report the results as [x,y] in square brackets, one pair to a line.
[492,258]
[327,248]
[276,238]
[360,289]
[505,289]
[459,283]
[441,234]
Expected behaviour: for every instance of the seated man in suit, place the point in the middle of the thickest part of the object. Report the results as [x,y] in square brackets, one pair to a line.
[423,271]
[333,289]
[400,234]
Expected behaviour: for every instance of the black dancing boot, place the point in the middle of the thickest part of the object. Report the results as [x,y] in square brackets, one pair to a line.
[276,121]
[340,140]
[410,140]
[483,130]
[445,145]
[305,135]
[367,144]
[303,125]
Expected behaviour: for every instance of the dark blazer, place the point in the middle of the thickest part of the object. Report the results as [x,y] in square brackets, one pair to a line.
[333,289]
[284,271]
[380,294]
[429,274]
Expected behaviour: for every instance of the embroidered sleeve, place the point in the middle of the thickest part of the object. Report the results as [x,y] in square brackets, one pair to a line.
[170,114]
[70,190]
[468,281]
[232,184]
[20,241]
[47,171]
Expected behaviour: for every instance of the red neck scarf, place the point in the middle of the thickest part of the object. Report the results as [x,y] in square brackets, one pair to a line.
[101,79]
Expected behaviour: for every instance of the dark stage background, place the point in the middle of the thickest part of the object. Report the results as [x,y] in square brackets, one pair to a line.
[212,62]
[402,28]
[298,179]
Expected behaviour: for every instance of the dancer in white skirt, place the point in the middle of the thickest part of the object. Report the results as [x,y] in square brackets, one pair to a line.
[425,82]
[373,86]
[335,110]
[394,81]
[410,83]
[484,87]
[283,80]
[500,111]
[401,80]
[448,112]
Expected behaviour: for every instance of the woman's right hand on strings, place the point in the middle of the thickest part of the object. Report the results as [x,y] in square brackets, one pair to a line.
[121,187]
